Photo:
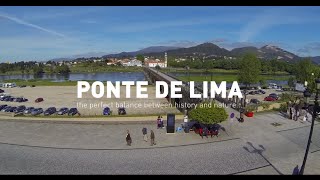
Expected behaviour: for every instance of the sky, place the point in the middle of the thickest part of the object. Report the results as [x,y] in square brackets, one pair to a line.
[43,33]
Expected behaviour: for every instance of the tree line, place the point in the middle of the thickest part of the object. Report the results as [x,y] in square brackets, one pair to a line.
[33,67]
[266,66]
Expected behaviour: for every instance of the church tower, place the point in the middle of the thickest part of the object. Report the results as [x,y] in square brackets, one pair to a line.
[165,60]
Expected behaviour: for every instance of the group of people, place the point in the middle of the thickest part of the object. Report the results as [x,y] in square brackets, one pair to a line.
[145,137]
[294,112]
[160,122]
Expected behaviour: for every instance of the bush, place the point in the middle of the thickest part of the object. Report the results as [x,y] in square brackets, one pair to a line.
[208,115]
[265,106]
[283,107]
[251,108]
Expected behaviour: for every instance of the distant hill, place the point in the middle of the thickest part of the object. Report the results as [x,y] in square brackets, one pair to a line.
[243,50]
[316,59]
[203,50]
[152,49]
[266,52]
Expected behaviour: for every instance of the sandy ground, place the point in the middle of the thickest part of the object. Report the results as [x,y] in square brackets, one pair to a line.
[66,96]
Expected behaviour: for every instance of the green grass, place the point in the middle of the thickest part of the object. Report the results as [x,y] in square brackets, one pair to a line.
[231,71]
[227,77]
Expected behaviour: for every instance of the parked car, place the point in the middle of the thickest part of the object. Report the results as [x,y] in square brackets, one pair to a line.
[73,111]
[269,98]
[254,101]
[63,111]
[252,92]
[22,86]
[261,91]
[1,91]
[106,111]
[20,109]
[3,106]
[11,109]
[274,95]
[28,110]
[36,111]
[21,99]
[49,111]
[122,111]
[38,100]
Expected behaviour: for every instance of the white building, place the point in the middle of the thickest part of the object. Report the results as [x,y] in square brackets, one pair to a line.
[134,63]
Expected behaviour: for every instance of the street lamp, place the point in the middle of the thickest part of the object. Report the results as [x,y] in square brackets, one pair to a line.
[307,96]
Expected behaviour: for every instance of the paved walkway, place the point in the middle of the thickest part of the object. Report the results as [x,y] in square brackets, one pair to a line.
[252,147]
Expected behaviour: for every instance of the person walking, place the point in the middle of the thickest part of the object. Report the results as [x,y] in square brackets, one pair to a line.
[152,137]
[144,132]
[128,138]
[158,122]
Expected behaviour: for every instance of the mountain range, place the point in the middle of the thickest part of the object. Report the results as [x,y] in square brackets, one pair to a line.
[205,50]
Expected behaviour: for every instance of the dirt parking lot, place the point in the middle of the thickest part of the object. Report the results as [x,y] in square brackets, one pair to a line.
[66,96]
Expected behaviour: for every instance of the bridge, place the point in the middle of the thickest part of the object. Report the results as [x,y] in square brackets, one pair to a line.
[153,75]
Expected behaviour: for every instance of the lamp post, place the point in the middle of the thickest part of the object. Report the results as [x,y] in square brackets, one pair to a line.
[307,96]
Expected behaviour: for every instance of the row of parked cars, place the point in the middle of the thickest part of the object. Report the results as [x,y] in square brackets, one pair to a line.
[12,99]
[260,91]
[37,111]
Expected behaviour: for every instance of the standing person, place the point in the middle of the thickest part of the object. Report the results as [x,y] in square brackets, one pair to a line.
[128,138]
[152,137]
[231,120]
[290,112]
[158,122]
[144,132]
[161,122]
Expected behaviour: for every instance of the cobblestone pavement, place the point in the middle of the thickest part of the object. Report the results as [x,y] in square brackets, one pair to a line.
[227,157]
[89,136]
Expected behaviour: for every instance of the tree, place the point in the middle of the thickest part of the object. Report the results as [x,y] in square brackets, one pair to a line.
[208,115]
[249,71]
[305,70]
[37,70]
[140,57]
[63,69]
[291,82]
[158,67]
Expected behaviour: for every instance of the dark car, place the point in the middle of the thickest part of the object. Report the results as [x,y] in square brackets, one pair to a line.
[122,111]
[22,86]
[49,111]
[20,109]
[254,101]
[261,91]
[1,91]
[106,111]
[274,95]
[28,110]
[11,109]
[36,111]
[38,100]
[21,99]
[3,106]
[63,111]
[252,92]
[8,98]
[270,98]
[73,111]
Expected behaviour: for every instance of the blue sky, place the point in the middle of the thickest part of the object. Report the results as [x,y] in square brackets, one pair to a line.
[42,33]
